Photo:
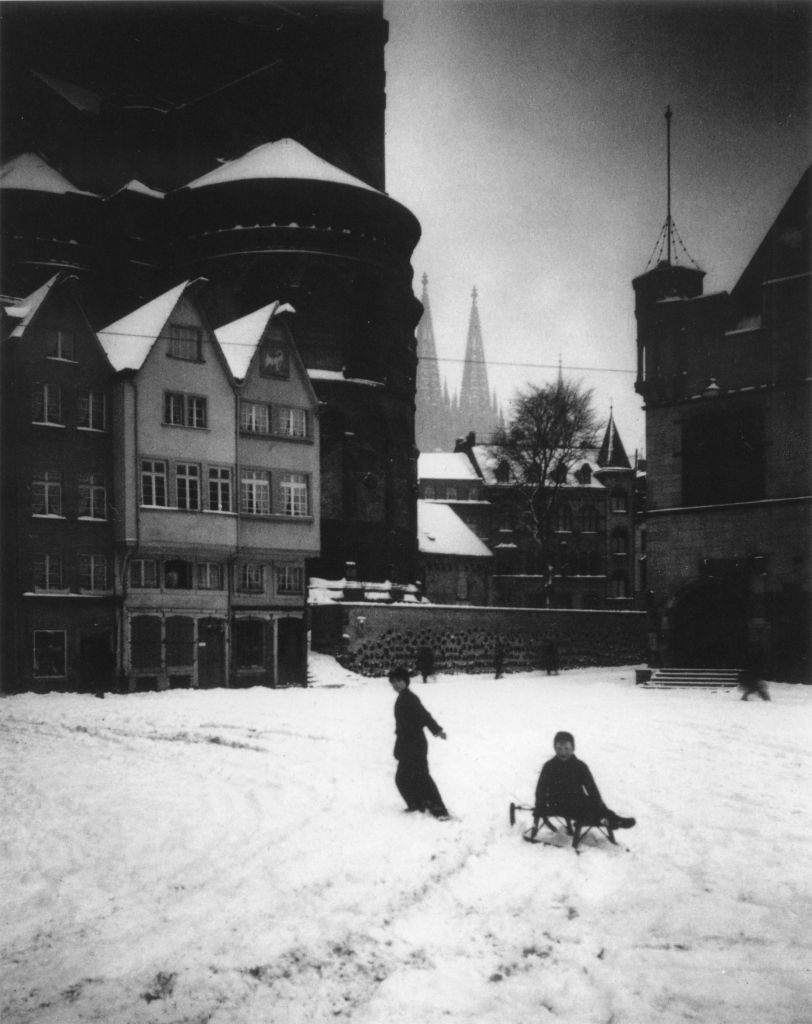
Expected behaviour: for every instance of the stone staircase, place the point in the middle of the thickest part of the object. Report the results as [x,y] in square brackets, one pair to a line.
[718,677]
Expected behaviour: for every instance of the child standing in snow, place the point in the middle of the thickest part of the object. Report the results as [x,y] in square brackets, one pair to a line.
[412,778]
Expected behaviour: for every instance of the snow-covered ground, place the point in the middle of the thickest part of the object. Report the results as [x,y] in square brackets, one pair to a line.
[242,857]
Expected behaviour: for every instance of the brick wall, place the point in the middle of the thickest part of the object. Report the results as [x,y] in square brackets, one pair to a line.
[371,639]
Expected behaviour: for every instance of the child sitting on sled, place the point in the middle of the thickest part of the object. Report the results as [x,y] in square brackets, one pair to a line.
[566,789]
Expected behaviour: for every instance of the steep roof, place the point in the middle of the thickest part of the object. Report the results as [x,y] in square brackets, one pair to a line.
[445,466]
[612,453]
[128,341]
[239,339]
[26,310]
[285,158]
[29,172]
[440,531]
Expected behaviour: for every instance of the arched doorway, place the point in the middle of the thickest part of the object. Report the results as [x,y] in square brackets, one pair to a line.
[710,626]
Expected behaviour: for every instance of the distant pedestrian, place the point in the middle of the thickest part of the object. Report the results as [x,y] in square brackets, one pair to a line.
[551,656]
[751,681]
[498,659]
[425,663]
[412,778]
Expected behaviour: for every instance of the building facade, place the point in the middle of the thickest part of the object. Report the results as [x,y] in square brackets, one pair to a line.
[726,384]
[162,496]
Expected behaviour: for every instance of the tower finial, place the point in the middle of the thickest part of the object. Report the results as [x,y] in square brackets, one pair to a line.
[425,280]
[668,116]
[474,293]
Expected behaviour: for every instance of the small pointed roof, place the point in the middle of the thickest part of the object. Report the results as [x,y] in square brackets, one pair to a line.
[129,340]
[239,339]
[31,173]
[285,158]
[612,454]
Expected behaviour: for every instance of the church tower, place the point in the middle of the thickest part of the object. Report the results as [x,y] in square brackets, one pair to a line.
[476,411]
[431,403]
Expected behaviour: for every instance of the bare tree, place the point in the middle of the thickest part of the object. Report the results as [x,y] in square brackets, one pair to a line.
[551,426]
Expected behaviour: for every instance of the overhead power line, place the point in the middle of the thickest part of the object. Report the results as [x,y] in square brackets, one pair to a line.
[533,366]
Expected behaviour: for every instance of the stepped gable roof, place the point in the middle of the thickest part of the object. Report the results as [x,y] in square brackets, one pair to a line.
[440,531]
[285,158]
[445,466]
[128,341]
[27,308]
[29,172]
[239,339]
[612,454]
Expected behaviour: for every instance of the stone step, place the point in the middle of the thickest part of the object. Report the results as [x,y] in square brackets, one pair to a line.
[694,677]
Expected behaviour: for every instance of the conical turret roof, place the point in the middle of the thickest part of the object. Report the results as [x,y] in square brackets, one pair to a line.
[613,454]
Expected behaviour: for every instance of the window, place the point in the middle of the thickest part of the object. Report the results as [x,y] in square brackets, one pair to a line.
[46,403]
[619,585]
[563,519]
[177,574]
[723,457]
[451,493]
[153,483]
[295,498]
[145,642]
[255,492]
[46,494]
[219,489]
[289,421]
[184,342]
[429,491]
[60,344]
[585,475]
[92,410]
[92,496]
[50,653]
[618,501]
[92,572]
[589,519]
[252,578]
[620,542]
[47,572]
[254,417]
[462,585]
[187,483]
[181,410]
[144,573]
[209,576]
[289,579]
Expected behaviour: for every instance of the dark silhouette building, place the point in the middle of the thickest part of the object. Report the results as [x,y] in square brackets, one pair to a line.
[147,144]
[726,383]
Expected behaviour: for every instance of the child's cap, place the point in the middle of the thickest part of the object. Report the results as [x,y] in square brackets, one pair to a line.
[564,737]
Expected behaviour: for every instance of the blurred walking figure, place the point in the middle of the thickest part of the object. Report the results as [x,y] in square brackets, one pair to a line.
[551,656]
[498,659]
[425,663]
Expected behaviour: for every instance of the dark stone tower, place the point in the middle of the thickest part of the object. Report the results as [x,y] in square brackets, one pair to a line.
[243,142]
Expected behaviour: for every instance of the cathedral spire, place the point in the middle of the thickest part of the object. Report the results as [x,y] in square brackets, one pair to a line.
[475,392]
[431,404]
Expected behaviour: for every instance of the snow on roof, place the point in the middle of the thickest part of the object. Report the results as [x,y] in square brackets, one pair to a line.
[29,171]
[445,466]
[338,376]
[76,95]
[128,341]
[285,158]
[239,339]
[134,185]
[26,309]
[440,531]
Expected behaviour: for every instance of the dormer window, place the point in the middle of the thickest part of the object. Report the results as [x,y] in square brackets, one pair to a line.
[585,476]
[60,344]
[185,343]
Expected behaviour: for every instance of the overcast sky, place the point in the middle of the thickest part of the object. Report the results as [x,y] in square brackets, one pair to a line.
[529,139]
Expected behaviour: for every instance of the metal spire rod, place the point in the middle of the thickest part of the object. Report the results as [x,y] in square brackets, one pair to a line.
[668,116]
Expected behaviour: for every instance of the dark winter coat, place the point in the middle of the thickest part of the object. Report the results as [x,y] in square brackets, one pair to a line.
[567,789]
[410,720]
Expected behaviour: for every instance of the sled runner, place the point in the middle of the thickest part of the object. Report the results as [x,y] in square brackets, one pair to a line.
[573,827]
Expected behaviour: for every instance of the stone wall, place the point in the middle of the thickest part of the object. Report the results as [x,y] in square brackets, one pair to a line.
[371,639]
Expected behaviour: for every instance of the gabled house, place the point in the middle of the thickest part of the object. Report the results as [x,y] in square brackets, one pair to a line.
[455,565]
[59,622]
[278,480]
